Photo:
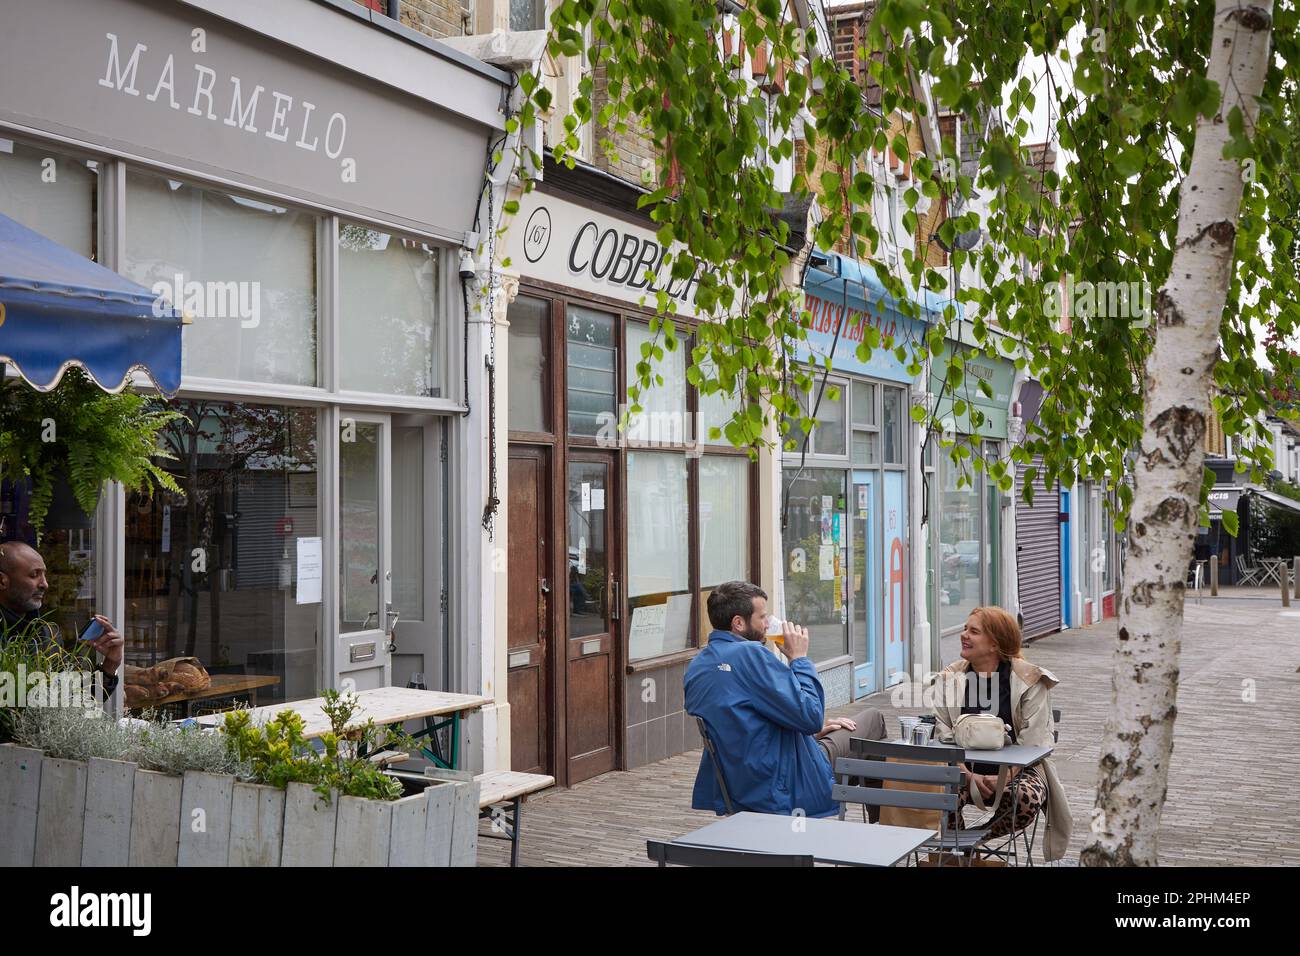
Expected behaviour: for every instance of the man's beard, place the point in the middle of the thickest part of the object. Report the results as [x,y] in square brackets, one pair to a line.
[755,634]
[34,602]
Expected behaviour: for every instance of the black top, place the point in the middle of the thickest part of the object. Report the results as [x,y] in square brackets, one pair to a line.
[989,694]
[13,623]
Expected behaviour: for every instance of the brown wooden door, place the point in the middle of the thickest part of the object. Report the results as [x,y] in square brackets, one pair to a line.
[529,612]
[591,641]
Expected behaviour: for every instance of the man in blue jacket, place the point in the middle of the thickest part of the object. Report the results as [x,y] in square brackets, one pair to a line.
[766,719]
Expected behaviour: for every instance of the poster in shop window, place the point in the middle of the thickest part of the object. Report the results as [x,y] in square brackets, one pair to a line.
[646,636]
[895,577]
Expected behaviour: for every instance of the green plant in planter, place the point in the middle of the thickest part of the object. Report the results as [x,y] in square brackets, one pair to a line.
[80,432]
[278,753]
[26,650]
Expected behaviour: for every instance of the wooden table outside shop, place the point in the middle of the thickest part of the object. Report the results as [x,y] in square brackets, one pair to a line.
[390,706]
[223,685]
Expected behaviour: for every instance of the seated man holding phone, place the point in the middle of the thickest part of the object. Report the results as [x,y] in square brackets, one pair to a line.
[767,720]
[22,592]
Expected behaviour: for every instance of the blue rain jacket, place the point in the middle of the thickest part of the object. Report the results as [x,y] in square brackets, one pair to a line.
[761,716]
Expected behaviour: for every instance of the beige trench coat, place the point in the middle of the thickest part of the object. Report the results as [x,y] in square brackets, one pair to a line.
[1031,714]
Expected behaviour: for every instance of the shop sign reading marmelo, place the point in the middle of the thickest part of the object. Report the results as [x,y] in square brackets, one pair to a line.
[172,84]
[557,241]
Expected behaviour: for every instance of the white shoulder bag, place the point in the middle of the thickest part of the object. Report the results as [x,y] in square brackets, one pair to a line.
[983,732]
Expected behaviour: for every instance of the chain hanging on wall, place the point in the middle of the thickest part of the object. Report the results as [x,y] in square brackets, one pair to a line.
[493,502]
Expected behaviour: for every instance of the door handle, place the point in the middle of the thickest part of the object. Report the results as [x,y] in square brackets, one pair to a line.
[546,586]
[614,614]
[391,618]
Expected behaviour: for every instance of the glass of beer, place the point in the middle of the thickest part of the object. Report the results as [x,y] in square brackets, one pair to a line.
[775,630]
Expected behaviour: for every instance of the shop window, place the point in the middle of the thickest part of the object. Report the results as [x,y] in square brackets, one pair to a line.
[359,528]
[212,573]
[724,519]
[389,290]
[961,545]
[892,426]
[715,409]
[866,448]
[829,437]
[67,547]
[992,538]
[658,554]
[530,403]
[592,371]
[815,543]
[864,405]
[51,193]
[408,530]
[866,434]
[663,419]
[244,270]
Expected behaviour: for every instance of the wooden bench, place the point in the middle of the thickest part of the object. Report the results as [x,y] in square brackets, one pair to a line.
[501,796]
[501,800]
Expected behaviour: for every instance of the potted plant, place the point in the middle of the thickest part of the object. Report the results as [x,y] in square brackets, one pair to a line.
[82,789]
[78,436]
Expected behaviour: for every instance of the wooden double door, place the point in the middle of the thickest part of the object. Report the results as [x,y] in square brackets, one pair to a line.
[563,612]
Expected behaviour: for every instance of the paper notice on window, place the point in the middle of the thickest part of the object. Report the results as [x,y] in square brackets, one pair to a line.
[582,555]
[646,636]
[597,499]
[309,570]
[826,562]
[677,622]
[586,496]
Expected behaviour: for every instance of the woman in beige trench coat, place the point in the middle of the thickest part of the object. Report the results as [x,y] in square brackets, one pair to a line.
[993,677]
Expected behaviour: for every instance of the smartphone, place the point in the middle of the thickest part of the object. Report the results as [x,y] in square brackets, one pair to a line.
[93,631]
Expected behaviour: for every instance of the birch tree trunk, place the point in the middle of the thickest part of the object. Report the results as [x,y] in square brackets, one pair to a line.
[1138,740]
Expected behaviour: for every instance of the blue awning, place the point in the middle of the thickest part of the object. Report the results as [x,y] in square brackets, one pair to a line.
[57,308]
[861,281]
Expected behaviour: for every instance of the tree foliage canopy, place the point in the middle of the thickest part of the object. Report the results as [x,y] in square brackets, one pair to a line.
[1123,84]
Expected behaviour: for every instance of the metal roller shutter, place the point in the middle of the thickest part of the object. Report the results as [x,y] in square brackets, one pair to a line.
[1038,555]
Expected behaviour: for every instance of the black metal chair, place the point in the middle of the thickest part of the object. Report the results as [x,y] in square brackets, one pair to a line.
[933,767]
[717,767]
[679,854]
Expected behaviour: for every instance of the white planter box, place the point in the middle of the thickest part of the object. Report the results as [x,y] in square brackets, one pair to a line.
[111,813]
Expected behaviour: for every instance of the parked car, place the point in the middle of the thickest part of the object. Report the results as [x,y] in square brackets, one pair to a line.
[963,559]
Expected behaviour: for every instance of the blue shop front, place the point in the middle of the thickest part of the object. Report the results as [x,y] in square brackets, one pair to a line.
[847,489]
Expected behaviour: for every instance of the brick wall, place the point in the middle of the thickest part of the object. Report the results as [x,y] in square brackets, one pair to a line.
[632,147]
[434,18]
[812,164]
[849,24]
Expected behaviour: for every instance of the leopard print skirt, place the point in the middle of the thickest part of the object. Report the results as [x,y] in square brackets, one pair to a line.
[1031,795]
